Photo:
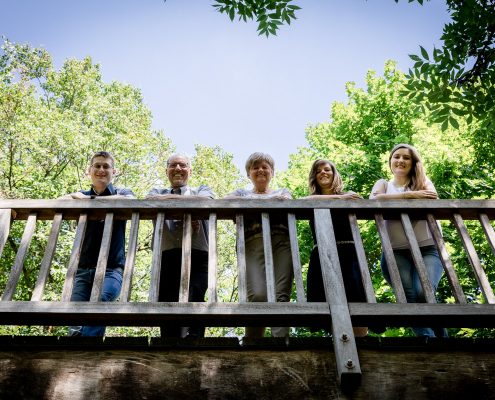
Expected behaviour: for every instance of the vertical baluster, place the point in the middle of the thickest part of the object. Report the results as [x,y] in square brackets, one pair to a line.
[269,269]
[101,264]
[156,261]
[5,217]
[474,260]
[74,257]
[241,258]
[130,260]
[15,273]
[446,261]
[361,256]
[388,252]
[47,258]
[212,258]
[185,276]
[488,229]
[418,259]
[296,259]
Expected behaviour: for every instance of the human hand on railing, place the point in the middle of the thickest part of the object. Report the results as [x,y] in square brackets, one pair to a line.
[420,194]
[351,195]
[79,196]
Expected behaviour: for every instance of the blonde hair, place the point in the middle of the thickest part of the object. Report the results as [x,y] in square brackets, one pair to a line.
[417,176]
[314,188]
[259,157]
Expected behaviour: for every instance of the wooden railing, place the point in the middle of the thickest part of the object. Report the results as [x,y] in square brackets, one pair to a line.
[242,313]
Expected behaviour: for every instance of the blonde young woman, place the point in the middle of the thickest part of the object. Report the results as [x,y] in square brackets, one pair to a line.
[260,168]
[325,183]
[410,182]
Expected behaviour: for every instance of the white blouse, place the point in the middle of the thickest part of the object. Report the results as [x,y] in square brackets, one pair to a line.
[396,231]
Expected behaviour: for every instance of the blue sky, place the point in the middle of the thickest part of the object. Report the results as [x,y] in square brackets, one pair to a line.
[210,81]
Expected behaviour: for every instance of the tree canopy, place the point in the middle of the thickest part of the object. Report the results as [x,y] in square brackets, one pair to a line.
[453,81]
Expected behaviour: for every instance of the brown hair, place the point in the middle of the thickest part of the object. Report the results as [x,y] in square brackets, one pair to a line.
[314,188]
[104,154]
[259,157]
[417,176]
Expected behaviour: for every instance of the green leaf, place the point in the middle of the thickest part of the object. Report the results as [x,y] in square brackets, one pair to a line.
[424,53]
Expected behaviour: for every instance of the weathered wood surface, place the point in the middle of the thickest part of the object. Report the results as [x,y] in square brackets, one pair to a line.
[227,208]
[242,314]
[347,361]
[390,373]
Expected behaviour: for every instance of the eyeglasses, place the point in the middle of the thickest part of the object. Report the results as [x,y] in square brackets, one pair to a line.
[106,167]
[175,165]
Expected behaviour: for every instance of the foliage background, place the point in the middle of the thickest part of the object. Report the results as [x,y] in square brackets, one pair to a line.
[52,120]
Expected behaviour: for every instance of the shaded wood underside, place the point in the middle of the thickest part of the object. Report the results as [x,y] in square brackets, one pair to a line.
[400,368]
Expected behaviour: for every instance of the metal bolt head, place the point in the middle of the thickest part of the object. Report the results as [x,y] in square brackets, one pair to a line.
[349,364]
[345,337]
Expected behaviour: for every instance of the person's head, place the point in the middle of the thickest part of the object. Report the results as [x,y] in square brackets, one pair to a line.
[101,170]
[324,176]
[404,161]
[260,168]
[178,169]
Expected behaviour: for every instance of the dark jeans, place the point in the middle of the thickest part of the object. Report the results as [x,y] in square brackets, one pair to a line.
[351,276]
[83,283]
[170,287]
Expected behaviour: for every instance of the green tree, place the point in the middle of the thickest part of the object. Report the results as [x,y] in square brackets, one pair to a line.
[358,138]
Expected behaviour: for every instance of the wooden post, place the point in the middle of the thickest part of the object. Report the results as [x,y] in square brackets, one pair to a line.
[15,274]
[47,258]
[347,361]
[156,260]
[212,258]
[74,257]
[130,259]
[101,264]
[185,275]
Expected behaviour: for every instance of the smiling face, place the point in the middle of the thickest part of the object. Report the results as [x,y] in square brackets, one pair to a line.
[401,162]
[101,173]
[324,176]
[178,171]
[260,174]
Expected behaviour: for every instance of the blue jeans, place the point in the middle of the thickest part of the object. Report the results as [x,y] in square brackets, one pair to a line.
[410,279]
[83,283]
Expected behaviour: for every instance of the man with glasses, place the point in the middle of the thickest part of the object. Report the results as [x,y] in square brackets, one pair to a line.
[101,172]
[178,173]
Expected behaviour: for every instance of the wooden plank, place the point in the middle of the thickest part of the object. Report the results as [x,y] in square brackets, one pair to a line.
[101,264]
[212,258]
[130,260]
[156,259]
[16,271]
[74,257]
[446,261]
[418,259]
[488,229]
[347,361]
[236,314]
[269,267]
[363,263]
[296,259]
[474,260]
[185,276]
[388,253]
[241,258]
[47,258]
[5,218]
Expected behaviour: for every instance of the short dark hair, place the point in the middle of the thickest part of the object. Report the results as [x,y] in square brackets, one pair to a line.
[104,154]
